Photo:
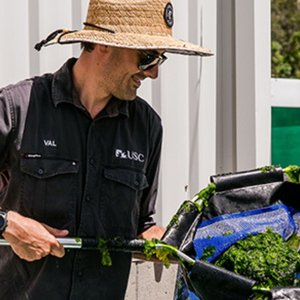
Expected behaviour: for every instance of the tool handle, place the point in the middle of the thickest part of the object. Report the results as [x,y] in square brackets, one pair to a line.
[68,243]
[94,244]
[132,246]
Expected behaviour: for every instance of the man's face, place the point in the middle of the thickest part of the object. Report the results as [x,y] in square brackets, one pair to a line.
[123,74]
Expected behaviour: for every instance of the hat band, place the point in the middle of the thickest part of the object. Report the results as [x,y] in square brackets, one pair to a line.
[98,27]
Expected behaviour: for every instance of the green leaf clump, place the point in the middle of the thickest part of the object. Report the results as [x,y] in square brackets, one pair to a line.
[155,248]
[293,173]
[186,208]
[174,222]
[208,251]
[265,258]
[104,251]
[204,195]
[267,169]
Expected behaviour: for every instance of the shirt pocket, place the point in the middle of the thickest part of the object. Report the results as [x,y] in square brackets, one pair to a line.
[49,189]
[122,190]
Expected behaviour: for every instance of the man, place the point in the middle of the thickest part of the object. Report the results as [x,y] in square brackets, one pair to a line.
[82,153]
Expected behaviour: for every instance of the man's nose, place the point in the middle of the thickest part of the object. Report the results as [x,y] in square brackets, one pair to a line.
[152,72]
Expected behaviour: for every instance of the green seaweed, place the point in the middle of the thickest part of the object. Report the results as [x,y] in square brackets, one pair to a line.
[174,222]
[208,251]
[265,258]
[267,169]
[293,173]
[203,196]
[105,255]
[155,248]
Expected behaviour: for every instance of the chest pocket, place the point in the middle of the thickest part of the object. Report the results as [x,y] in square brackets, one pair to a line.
[122,190]
[49,189]
[132,179]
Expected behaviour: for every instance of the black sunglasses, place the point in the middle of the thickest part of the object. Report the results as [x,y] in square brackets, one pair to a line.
[149,60]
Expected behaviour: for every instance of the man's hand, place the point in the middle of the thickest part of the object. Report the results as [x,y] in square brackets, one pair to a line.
[31,240]
[153,232]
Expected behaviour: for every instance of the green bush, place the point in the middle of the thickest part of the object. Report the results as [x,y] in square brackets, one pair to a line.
[285,38]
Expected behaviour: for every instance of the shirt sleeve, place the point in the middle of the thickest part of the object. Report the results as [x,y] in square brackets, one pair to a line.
[14,102]
[148,202]
[6,125]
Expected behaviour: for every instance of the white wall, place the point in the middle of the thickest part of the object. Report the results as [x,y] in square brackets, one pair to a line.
[244,85]
[188,101]
[14,30]
[253,69]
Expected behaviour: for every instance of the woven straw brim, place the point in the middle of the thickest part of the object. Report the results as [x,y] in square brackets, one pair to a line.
[133,41]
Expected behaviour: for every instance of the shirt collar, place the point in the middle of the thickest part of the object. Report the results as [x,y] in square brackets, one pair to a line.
[63,92]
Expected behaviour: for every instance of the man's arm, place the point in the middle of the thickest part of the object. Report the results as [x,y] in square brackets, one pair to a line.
[147,228]
[153,232]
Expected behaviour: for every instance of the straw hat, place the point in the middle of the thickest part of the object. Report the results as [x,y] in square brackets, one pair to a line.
[137,24]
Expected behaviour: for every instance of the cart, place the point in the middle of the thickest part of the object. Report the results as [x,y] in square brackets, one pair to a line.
[234,193]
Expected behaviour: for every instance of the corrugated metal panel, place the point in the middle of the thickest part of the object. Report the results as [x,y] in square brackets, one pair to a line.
[14,31]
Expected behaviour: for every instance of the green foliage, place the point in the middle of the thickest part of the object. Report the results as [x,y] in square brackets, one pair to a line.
[267,169]
[205,194]
[293,173]
[209,251]
[155,248]
[105,255]
[285,39]
[186,208]
[174,222]
[265,258]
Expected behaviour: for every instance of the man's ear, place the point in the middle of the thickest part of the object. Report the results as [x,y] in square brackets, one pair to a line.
[102,48]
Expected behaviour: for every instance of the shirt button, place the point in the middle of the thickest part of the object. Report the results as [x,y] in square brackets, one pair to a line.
[92,160]
[87,198]
[79,273]
[40,171]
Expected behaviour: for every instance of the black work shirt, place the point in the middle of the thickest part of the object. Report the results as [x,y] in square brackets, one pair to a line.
[95,177]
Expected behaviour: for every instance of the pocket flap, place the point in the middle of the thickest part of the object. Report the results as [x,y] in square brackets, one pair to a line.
[135,180]
[48,167]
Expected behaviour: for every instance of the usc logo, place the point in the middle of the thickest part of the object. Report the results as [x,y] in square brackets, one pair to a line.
[131,155]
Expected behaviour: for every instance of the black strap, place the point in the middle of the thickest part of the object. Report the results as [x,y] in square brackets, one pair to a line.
[50,37]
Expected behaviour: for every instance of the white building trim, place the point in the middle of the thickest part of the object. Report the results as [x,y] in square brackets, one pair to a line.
[285,92]
[244,72]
